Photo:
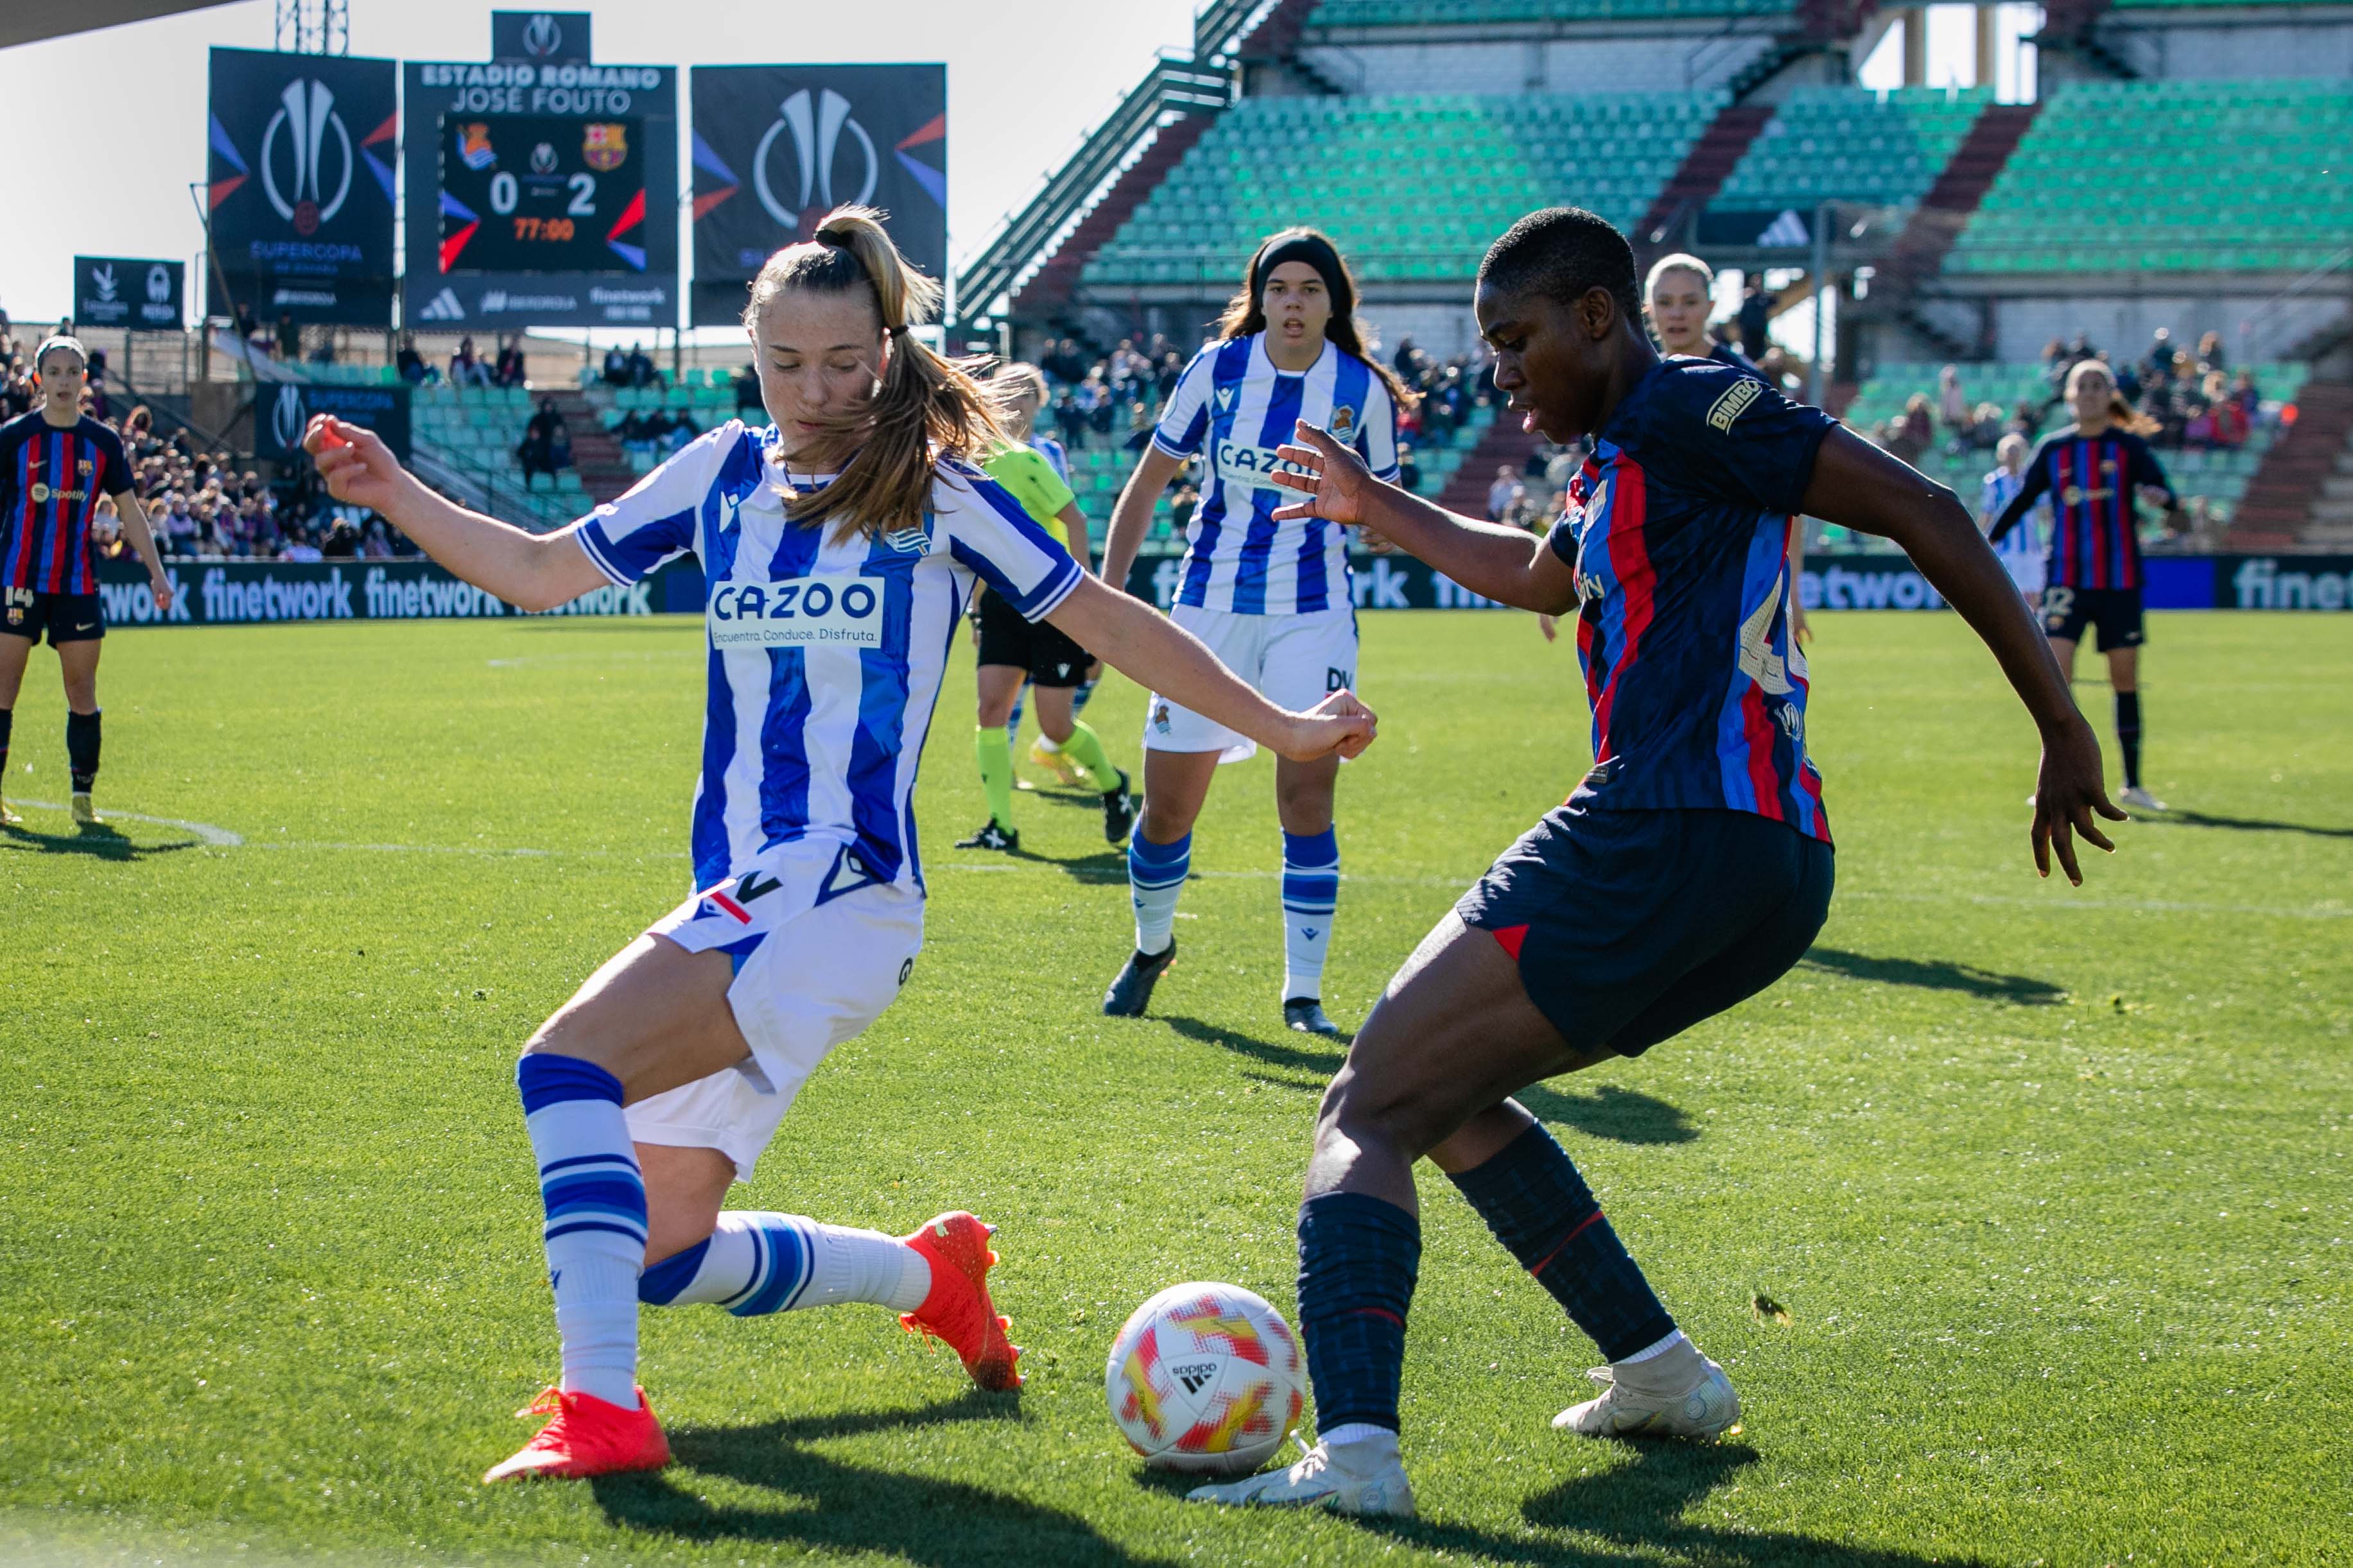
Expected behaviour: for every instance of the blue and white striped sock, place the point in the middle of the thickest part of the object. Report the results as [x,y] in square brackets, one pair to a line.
[596,1230]
[1311,893]
[1156,875]
[756,1263]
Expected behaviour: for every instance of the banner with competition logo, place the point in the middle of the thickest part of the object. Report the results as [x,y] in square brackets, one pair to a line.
[777,146]
[135,294]
[300,165]
[282,412]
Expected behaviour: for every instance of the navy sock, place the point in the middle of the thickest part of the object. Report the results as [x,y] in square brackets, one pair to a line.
[81,749]
[1358,1259]
[2128,734]
[1541,1210]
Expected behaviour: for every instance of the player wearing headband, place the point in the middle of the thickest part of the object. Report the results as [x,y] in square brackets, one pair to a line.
[1271,595]
[55,463]
[840,546]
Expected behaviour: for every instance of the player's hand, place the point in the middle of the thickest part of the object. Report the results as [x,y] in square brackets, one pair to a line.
[1550,627]
[2068,797]
[1336,482]
[1337,726]
[355,465]
[161,586]
[1800,632]
[1375,542]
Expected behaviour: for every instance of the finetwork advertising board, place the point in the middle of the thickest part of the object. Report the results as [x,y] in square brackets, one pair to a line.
[300,164]
[540,196]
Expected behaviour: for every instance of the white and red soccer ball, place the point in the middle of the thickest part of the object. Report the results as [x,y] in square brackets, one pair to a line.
[1205,1377]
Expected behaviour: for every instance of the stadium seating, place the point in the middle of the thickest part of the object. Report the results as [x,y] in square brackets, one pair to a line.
[475,430]
[1839,143]
[2171,176]
[2218,476]
[1456,12]
[1412,186]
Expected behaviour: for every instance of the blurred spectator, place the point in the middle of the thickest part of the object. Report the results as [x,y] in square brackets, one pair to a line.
[1755,317]
[1952,403]
[616,367]
[289,338]
[466,367]
[546,445]
[747,391]
[342,541]
[509,371]
[640,368]
[1503,493]
[1409,470]
[2210,353]
[411,364]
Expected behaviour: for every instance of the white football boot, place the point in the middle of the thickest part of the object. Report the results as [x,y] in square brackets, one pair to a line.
[1680,1393]
[1364,1479]
[2139,799]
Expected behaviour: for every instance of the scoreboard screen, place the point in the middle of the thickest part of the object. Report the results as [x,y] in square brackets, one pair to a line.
[542,192]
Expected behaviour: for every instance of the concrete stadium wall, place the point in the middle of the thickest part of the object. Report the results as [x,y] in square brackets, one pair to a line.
[1656,64]
[2222,47]
[2125,324]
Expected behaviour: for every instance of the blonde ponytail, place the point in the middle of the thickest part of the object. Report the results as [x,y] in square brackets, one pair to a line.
[927,407]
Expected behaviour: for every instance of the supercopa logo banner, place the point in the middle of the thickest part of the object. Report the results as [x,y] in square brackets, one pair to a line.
[300,151]
[282,412]
[776,146]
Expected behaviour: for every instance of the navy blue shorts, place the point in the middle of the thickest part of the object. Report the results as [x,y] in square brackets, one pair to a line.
[1631,926]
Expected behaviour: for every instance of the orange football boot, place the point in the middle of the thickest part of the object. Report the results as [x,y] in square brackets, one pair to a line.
[587,1436]
[958,1312]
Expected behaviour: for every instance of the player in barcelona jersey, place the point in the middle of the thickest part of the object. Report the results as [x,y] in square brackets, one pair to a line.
[840,546]
[2091,473]
[1271,595]
[55,463]
[1688,869]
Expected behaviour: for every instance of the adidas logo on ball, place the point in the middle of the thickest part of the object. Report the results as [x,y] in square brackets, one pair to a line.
[1196,1376]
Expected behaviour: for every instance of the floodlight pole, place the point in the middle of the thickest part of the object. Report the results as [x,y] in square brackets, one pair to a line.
[1822,215]
[212,253]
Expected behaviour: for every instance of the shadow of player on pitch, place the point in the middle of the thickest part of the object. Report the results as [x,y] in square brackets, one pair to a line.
[100,841]
[828,1503]
[2245,823]
[1621,1115]
[1321,1059]
[1936,974]
[1641,1509]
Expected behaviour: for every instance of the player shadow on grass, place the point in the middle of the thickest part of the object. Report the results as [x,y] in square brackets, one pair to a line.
[1937,974]
[825,1502]
[2247,823]
[1643,1508]
[99,840]
[1621,1115]
[1322,1062]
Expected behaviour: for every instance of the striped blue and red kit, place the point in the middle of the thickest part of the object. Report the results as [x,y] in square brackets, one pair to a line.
[1678,528]
[50,479]
[2090,481]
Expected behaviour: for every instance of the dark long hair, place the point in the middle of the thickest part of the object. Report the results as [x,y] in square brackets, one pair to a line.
[1245,312]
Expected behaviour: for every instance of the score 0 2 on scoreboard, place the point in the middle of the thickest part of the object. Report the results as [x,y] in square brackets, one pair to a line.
[533,192]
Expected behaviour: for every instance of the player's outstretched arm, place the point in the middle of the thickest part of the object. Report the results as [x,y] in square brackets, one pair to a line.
[1856,484]
[1153,650]
[1130,518]
[531,570]
[1504,564]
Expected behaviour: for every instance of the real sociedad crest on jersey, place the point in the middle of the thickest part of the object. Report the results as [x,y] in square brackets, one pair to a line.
[1343,423]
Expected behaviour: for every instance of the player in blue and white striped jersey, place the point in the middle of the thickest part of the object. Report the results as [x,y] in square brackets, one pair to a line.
[1271,595]
[839,547]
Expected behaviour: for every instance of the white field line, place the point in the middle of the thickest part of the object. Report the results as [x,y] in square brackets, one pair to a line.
[228,838]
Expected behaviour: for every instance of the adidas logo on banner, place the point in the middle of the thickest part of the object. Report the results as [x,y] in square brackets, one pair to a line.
[443,307]
[1786,230]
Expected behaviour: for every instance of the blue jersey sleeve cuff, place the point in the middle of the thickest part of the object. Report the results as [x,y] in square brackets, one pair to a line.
[1387,476]
[1161,443]
[1050,594]
[593,545]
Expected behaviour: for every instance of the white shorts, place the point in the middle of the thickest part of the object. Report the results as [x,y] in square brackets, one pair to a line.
[821,949]
[2026,571]
[1293,660]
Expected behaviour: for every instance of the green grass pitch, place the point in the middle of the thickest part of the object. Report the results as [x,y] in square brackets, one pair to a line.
[2053,1186]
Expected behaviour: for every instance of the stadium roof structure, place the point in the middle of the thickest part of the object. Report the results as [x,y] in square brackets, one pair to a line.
[30,21]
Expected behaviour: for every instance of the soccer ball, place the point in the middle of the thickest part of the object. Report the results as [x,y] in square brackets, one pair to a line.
[1205,1377]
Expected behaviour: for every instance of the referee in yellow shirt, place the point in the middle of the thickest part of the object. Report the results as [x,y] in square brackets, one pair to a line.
[1013,650]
